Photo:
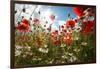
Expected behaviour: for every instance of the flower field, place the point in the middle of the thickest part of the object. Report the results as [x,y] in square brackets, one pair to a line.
[42,36]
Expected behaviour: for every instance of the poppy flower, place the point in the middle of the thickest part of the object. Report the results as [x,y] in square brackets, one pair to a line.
[23,26]
[56,31]
[48,29]
[88,27]
[52,17]
[76,20]
[30,18]
[35,21]
[67,39]
[36,35]
[70,23]
[55,41]
[79,10]
[53,34]
[64,38]
[39,43]
[18,23]
[62,26]
[64,30]
[25,21]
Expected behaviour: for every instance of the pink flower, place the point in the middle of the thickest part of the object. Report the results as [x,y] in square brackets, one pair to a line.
[52,17]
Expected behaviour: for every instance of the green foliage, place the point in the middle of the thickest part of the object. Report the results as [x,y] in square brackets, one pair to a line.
[75,53]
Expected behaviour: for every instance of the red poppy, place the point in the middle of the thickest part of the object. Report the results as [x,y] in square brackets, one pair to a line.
[67,39]
[23,26]
[25,21]
[20,27]
[70,23]
[53,34]
[64,30]
[79,10]
[55,41]
[62,26]
[39,43]
[30,18]
[88,27]
[36,35]
[76,20]
[48,29]
[56,31]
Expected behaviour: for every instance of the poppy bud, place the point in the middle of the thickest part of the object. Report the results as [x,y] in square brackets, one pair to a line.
[24,9]
[30,18]
[16,11]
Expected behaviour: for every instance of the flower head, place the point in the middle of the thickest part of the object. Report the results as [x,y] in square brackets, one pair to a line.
[23,26]
[35,21]
[52,17]
[88,27]
[62,26]
[79,10]
[64,30]
[25,21]
[56,31]
[70,23]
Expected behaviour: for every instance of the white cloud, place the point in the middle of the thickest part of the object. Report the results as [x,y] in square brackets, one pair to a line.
[54,26]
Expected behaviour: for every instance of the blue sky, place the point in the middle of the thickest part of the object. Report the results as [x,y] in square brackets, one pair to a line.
[60,11]
[62,14]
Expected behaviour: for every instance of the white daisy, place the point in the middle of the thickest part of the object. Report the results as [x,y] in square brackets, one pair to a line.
[44,50]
